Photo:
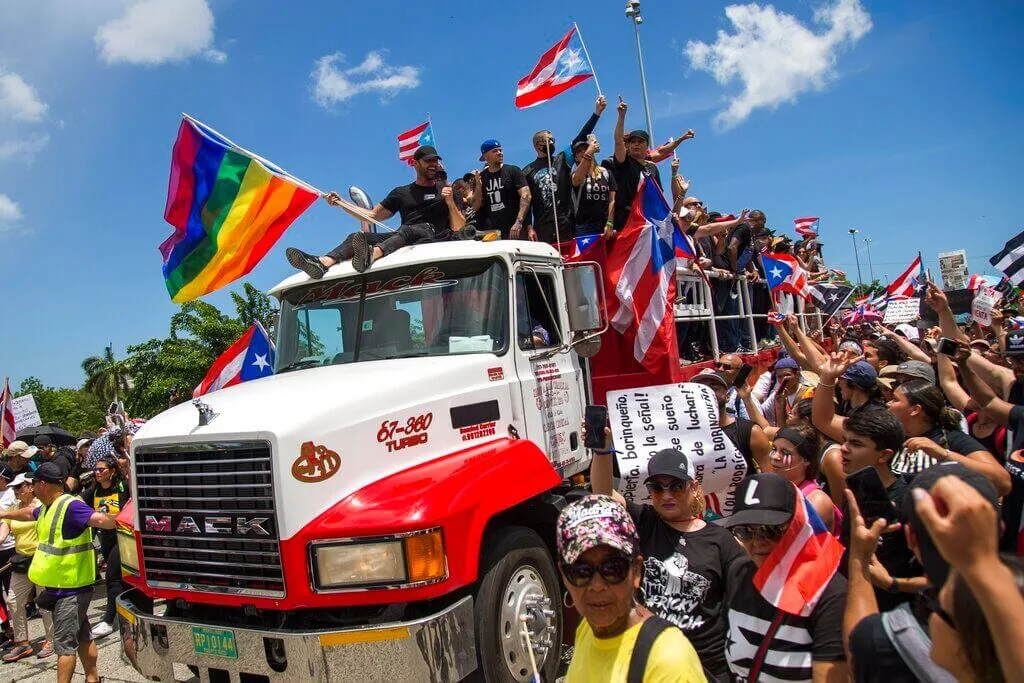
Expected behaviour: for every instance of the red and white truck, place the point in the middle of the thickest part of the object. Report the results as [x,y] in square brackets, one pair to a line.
[383,506]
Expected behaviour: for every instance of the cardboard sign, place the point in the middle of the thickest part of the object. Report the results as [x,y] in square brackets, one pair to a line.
[960,301]
[902,311]
[984,303]
[953,266]
[681,416]
[25,412]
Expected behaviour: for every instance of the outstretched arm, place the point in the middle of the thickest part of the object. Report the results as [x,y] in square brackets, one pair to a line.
[663,152]
[591,123]
[823,406]
[912,352]
[378,214]
[955,394]
[620,125]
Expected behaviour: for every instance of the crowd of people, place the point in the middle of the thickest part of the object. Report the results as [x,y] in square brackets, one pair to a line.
[907,446]
[51,499]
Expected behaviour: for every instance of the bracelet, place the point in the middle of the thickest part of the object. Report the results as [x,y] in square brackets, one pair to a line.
[823,384]
[610,451]
[609,222]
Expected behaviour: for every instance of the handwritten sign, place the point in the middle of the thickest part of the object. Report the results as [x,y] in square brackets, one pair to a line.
[984,302]
[681,416]
[902,311]
[25,412]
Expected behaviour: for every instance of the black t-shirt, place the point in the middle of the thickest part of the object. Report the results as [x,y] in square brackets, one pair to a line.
[419,204]
[739,433]
[684,582]
[742,234]
[798,642]
[1013,509]
[543,187]
[591,199]
[501,196]
[627,179]
[910,464]
[873,656]
[109,500]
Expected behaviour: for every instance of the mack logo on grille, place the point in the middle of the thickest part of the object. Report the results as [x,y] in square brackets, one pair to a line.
[239,526]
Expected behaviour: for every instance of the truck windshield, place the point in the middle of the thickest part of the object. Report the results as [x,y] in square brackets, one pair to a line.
[425,310]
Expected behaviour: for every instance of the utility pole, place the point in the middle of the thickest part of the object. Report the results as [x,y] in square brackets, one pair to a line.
[871,267]
[633,12]
[853,236]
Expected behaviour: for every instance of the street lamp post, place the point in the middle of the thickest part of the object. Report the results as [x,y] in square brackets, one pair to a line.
[633,12]
[853,236]
[871,267]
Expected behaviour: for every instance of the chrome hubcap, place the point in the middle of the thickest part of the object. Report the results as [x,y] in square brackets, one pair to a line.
[525,602]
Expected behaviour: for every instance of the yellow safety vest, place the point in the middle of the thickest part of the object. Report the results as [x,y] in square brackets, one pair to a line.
[61,562]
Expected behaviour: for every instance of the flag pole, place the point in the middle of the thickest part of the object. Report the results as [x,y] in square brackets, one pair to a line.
[587,55]
[430,125]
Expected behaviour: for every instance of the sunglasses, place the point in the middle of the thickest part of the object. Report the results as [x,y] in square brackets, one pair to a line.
[675,488]
[929,601]
[614,570]
[746,532]
[724,366]
[100,470]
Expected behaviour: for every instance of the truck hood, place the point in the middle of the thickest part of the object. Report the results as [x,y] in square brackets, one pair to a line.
[379,417]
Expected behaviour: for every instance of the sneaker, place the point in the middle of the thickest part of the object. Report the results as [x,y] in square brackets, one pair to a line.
[19,652]
[307,263]
[46,650]
[362,252]
[102,630]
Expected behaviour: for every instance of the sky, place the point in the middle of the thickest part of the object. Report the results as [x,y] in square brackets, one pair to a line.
[897,118]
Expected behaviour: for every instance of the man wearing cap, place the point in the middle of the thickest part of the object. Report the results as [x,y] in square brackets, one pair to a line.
[427,209]
[64,564]
[629,164]
[506,192]
[914,369]
[19,457]
[763,638]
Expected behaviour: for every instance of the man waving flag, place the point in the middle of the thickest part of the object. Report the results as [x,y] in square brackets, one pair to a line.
[563,66]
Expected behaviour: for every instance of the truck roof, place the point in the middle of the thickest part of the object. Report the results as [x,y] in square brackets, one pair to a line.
[433,252]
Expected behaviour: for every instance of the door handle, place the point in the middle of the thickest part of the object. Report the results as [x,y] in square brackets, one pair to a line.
[574,441]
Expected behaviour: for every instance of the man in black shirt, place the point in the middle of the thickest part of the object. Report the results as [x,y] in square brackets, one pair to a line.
[426,206]
[629,165]
[506,193]
[550,180]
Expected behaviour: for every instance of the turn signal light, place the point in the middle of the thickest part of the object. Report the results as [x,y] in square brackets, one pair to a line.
[424,557]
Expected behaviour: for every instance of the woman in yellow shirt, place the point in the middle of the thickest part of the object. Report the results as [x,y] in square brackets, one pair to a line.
[601,567]
[22,590]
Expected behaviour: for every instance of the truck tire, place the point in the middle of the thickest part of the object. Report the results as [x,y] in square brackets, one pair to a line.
[518,578]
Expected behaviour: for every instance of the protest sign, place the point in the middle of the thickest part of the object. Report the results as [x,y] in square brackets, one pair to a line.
[902,311]
[959,302]
[681,416]
[984,303]
[25,412]
[953,266]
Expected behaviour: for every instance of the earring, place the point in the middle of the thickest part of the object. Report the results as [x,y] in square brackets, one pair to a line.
[567,601]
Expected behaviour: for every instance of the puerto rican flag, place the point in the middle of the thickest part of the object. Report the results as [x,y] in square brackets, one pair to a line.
[908,283]
[8,430]
[642,271]
[251,357]
[808,227]
[581,245]
[560,68]
[795,574]
[784,274]
[412,139]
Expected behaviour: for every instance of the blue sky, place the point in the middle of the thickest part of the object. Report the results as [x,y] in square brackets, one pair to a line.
[898,118]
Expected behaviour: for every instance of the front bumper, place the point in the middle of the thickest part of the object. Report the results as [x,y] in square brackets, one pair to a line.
[440,647]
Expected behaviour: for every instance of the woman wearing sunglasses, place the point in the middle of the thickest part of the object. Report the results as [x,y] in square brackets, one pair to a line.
[601,566]
[686,560]
[108,494]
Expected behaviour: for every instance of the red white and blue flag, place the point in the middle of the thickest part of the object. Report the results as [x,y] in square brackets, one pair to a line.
[560,68]
[251,357]
[8,430]
[642,271]
[797,571]
[808,227]
[581,245]
[908,283]
[411,140]
[785,274]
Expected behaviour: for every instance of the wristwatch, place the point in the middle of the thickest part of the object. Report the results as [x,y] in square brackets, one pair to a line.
[894,586]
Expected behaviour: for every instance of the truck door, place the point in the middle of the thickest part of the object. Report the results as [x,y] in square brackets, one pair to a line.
[552,387]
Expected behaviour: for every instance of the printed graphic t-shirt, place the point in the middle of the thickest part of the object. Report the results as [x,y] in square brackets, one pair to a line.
[501,196]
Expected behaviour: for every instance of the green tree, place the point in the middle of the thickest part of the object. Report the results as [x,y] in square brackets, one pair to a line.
[867,288]
[73,409]
[105,376]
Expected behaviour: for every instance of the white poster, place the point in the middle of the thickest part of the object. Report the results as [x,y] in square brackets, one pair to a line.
[681,416]
[25,412]
[902,311]
[984,302]
[953,266]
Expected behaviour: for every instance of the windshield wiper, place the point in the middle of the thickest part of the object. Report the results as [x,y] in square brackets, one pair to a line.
[299,364]
[413,354]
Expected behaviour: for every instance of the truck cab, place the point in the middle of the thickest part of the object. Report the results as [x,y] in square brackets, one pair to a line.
[383,506]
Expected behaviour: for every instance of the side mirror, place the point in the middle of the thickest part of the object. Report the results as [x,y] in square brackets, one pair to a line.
[584,296]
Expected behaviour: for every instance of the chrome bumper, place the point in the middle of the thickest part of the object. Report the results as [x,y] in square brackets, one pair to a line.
[440,647]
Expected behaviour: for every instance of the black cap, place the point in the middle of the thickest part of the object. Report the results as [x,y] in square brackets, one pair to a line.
[6,473]
[639,133]
[670,462]
[42,441]
[935,566]
[765,498]
[425,152]
[1014,343]
[50,472]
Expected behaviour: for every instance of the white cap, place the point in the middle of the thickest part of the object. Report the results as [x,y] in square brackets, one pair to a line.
[22,478]
[909,331]
[82,442]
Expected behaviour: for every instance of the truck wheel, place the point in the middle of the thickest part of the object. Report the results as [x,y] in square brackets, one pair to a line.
[519,582]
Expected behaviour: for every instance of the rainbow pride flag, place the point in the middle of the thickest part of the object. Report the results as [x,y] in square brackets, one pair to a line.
[228,208]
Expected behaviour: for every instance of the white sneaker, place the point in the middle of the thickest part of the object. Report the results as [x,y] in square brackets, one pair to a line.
[102,630]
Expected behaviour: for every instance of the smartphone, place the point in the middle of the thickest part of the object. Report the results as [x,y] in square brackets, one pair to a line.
[596,419]
[947,346]
[742,374]
[871,496]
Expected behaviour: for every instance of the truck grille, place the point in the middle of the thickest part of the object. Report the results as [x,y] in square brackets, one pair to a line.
[207,518]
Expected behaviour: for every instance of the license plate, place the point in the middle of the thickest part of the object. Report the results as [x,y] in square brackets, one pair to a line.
[213,641]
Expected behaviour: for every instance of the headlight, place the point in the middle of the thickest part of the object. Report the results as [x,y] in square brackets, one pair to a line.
[128,551]
[411,559]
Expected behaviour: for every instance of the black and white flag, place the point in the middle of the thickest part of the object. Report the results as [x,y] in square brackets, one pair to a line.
[1010,261]
[829,297]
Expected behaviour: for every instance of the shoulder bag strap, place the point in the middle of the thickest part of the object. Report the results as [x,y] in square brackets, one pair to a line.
[649,632]
[913,645]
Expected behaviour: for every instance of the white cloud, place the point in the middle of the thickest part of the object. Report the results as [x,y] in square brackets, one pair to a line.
[159,31]
[774,56]
[25,149]
[332,84]
[10,212]
[18,99]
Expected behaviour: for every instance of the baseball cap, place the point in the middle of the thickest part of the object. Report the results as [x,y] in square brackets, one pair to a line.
[42,441]
[425,152]
[935,566]
[764,498]
[887,376]
[6,473]
[82,442]
[908,331]
[51,473]
[20,448]
[787,362]
[850,345]
[591,522]
[487,145]
[862,374]
[982,344]
[711,378]
[1014,343]
[669,462]
[22,478]
[916,369]
[639,133]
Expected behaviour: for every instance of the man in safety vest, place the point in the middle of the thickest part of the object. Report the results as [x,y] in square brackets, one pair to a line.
[65,566]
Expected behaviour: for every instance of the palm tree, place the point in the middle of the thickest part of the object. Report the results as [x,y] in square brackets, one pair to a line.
[105,376]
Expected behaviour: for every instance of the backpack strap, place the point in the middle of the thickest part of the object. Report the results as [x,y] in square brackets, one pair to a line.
[649,632]
[913,645]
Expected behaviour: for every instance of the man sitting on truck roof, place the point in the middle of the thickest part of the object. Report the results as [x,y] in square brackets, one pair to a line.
[426,206]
